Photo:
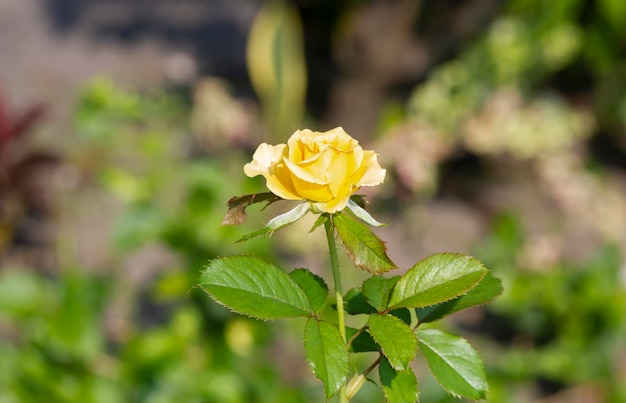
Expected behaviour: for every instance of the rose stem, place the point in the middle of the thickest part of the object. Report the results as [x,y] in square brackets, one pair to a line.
[334,263]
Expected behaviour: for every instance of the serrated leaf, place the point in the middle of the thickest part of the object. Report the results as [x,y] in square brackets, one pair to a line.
[486,291]
[253,287]
[236,213]
[454,363]
[377,290]
[398,386]
[355,303]
[395,338]
[436,279]
[365,249]
[313,286]
[362,343]
[326,354]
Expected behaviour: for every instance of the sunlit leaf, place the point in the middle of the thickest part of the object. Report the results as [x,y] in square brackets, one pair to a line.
[365,249]
[486,291]
[395,338]
[454,363]
[313,286]
[253,287]
[436,279]
[326,354]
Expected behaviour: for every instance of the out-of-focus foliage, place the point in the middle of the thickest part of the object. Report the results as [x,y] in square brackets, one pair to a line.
[561,323]
[526,115]
[89,337]
[276,65]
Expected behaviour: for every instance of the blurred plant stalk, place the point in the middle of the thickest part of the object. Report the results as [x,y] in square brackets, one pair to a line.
[277,68]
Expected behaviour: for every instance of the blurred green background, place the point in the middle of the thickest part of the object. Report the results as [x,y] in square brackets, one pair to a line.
[124,127]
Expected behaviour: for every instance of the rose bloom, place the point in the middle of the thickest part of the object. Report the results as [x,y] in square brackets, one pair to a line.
[323,167]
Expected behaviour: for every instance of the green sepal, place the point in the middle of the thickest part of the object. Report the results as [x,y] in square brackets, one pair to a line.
[365,249]
[321,219]
[326,354]
[280,221]
[487,290]
[454,363]
[253,287]
[359,200]
[255,234]
[436,279]
[398,386]
[395,338]
[313,286]
[362,214]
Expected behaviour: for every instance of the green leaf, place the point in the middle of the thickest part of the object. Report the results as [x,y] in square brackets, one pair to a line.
[396,339]
[436,279]
[403,314]
[355,303]
[486,291]
[398,386]
[454,363]
[365,249]
[236,213]
[326,354]
[377,290]
[253,287]
[362,343]
[313,286]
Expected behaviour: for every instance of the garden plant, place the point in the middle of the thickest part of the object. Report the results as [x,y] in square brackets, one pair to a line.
[324,171]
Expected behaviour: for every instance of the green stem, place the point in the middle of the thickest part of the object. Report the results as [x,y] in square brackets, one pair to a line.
[334,264]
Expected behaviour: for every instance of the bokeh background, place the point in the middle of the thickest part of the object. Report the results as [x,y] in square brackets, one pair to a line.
[124,126]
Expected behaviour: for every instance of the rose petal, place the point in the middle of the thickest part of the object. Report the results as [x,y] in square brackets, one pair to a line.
[267,161]
[264,158]
[372,173]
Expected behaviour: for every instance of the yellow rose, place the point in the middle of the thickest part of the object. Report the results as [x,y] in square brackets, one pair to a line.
[323,167]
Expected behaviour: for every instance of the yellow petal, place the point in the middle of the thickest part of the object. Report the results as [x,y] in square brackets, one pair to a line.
[264,158]
[280,183]
[371,173]
[337,204]
[267,161]
[304,174]
[312,191]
